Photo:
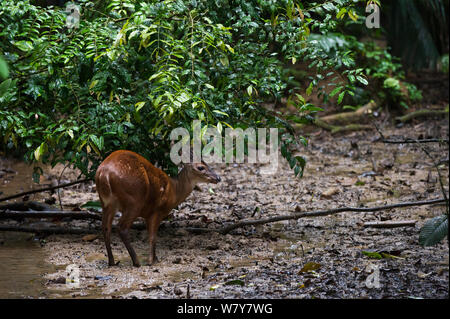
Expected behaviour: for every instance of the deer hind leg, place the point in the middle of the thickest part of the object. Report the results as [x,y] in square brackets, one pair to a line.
[124,226]
[107,219]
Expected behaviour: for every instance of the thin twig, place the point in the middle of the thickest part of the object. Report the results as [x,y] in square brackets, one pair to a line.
[59,181]
[379,131]
[430,157]
[439,175]
[391,223]
[409,140]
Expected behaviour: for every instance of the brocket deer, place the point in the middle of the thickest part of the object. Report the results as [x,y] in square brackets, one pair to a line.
[128,183]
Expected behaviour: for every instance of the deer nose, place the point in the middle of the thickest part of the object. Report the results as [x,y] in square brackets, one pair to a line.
[215,179]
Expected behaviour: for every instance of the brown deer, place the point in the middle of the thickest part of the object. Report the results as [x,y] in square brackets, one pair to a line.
[129,183]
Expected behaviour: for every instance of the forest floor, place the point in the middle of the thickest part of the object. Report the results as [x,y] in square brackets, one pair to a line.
[318,257]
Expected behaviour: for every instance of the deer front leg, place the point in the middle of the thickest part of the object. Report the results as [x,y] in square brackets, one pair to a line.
[152,227]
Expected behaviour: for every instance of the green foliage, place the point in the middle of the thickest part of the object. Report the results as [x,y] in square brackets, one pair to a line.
[434,231]
[134,70]
[92,205]
[355,63]
[4,72]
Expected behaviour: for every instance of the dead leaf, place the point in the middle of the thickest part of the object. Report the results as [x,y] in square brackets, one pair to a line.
[90,237]
[310,266]
[423,275]
[348,181]
[328,193]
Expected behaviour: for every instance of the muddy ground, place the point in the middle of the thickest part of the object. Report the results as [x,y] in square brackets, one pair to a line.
[319,257]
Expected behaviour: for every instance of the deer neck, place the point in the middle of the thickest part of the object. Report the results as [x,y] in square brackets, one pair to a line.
[183,186]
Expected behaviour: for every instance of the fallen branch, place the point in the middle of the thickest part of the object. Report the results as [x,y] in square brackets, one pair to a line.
[299,215]
[391,224]
[48,214]
[226,229]
[49,230]
[409,140]
[44,189]
[421,113]
[26,206]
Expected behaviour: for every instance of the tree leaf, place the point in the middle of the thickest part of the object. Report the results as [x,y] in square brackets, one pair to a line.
[38,152]
[24,45]
[250,90]
[139,105]
[341,97]
[300,98]
[4,86]
[309,89]
[372,254]
[4,73]
[235,282]
[341,13]
[362,79]
[336,91]
[92,205]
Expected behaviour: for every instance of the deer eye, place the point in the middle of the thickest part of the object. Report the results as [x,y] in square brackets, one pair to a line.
[201,168]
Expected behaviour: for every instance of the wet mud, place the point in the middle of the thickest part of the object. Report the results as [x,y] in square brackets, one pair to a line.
[320,257]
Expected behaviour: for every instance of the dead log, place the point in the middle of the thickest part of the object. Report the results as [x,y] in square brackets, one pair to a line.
[345,118]
[345,121]
[421,113]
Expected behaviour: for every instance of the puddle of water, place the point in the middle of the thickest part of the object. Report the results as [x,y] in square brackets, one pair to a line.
[22,267]
[15,176]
